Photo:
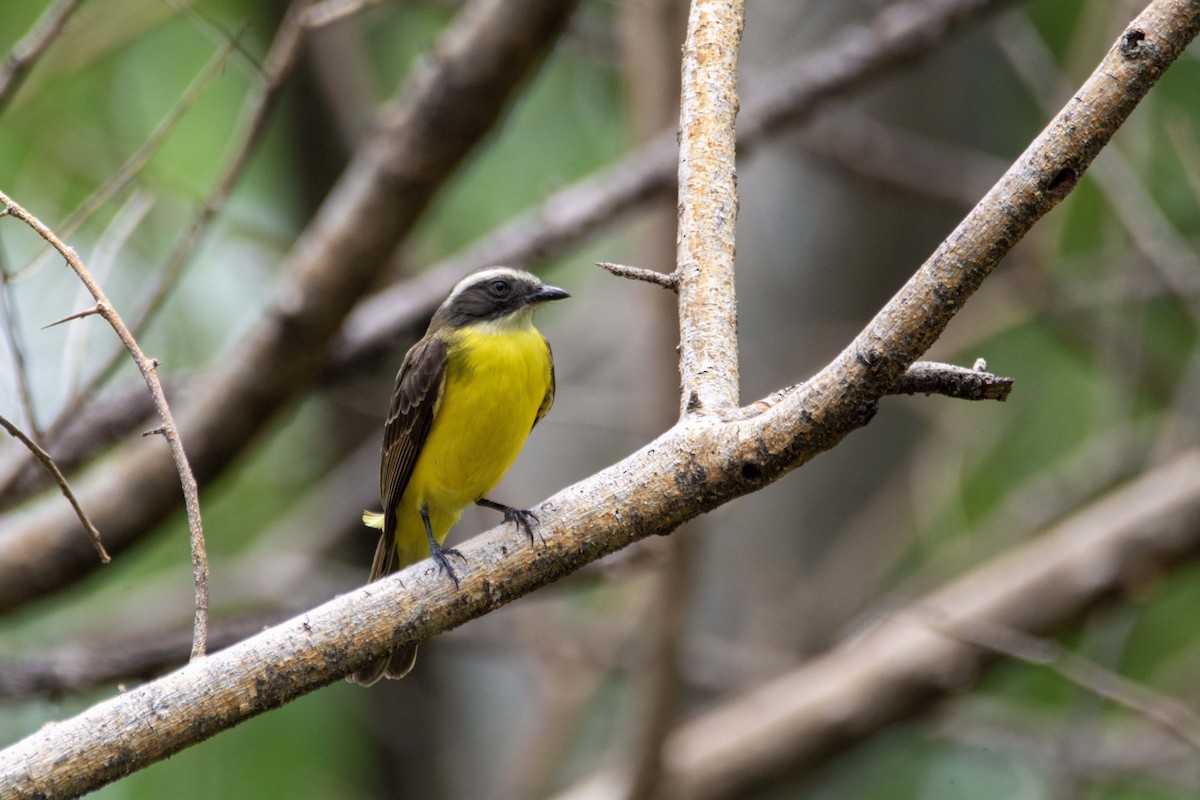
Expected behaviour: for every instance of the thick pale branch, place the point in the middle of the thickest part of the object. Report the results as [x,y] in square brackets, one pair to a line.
[708,352]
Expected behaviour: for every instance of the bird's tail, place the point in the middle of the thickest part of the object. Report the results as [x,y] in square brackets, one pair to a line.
[397,663]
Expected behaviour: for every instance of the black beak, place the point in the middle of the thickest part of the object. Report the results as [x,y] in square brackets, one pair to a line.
[548,293]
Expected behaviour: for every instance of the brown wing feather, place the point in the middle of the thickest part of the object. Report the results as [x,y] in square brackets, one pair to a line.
[548,400]
[414,400]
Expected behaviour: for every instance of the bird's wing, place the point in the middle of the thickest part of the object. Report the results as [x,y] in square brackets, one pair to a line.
[415,401]
[548,399]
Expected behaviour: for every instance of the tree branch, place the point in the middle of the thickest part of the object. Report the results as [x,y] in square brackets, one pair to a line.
[930,377]
[52,468]
[708,352]
[26,52]
[694,467]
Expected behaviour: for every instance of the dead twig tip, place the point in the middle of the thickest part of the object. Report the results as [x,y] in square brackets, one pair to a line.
[667,280]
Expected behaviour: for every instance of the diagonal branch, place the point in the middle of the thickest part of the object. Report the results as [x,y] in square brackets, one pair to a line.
[25,53]
[698,465]
[48,462]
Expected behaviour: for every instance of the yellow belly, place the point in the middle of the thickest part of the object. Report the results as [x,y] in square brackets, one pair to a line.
[494,387]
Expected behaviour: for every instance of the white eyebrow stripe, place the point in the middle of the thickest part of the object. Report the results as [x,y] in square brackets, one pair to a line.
[483,275]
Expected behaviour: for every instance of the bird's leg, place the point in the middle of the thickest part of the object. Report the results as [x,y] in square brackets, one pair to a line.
[520,517]
[440,554]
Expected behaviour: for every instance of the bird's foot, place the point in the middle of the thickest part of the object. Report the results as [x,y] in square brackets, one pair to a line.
[442,556]
[523,518]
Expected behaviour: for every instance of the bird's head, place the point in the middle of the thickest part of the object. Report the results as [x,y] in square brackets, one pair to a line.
[497,297]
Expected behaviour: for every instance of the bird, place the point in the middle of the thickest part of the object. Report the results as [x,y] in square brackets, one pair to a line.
[466,398]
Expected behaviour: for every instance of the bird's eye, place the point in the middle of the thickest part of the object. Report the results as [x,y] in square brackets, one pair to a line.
[499,287]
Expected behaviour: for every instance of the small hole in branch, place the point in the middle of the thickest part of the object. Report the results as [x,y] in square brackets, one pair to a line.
[751,471]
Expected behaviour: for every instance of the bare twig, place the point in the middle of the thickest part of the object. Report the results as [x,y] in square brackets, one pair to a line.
[26,52]
[97,425]
[16,347]
[128,170]
[859,52]
[921,377]
[931,377]
[667,280]
[44,457]
[87,312]
[148,369]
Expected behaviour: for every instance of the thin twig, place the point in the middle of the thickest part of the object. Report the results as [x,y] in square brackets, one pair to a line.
[61,480]
[128,170]
[26,52]
[667,280]
[1170,714]
[693,468]
[16,346]
[147,367]
[87,312]
[921,377]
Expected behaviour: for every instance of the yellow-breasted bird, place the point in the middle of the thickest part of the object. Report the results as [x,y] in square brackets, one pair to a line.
[466,397]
